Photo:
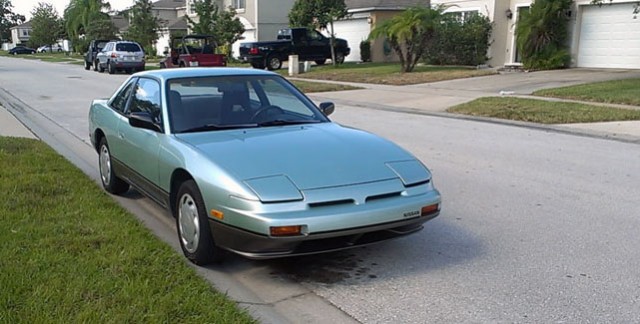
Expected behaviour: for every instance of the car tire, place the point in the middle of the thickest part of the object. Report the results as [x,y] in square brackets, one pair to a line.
[192,226]
[273,62]
[87,65]
[15,53]
[182,64]
[339,57]
[110,181]
[162,66]
[321,62]
[110,68]
[257,65]
[33,52]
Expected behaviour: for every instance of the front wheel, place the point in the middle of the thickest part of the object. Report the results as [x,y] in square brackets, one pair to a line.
[110,180]
[274,62]
[194,232]
[339,57]
[321,62]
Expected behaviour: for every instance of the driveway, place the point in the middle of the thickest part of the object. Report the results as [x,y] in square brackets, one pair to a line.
[438,96]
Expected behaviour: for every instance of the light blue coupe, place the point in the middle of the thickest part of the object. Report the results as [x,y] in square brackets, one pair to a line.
[248,164]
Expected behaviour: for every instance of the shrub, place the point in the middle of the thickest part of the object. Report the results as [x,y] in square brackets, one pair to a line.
[365,51]
[542,35]
[461,42]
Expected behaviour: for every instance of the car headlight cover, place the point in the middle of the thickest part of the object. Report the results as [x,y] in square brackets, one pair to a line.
[278,188]
[411,172]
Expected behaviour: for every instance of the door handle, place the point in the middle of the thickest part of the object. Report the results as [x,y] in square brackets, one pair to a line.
[121,135]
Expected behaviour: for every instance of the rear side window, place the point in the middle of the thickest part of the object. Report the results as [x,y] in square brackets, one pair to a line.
[128,47]
[119,102]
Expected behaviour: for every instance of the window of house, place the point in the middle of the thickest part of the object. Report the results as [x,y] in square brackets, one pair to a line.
[462,16]
[238,4]
[192,7]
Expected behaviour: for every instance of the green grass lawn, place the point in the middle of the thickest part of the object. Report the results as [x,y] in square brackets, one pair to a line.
[619,91]
[389,73]
[70,254]
[541,111]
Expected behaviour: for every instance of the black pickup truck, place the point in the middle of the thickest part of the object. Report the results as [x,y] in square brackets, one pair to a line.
[95,46]
[308,44]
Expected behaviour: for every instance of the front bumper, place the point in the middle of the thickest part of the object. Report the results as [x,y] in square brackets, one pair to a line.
[256,246]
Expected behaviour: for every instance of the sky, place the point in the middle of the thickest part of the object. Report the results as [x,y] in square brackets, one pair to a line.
[24,7]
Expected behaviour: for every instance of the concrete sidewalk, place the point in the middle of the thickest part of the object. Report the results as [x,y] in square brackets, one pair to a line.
[12,127]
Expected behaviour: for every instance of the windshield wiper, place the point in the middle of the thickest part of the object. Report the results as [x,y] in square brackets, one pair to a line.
[210,127]
[280,122]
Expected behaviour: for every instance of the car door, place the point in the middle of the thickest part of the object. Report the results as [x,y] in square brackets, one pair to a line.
[112,122]
[102,55]
[140,146]
[318,45]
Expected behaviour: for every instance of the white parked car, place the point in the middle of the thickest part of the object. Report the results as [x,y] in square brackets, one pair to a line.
[50,48]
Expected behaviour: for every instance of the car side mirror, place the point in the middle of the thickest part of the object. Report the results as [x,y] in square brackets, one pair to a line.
[327,108]
[143,120]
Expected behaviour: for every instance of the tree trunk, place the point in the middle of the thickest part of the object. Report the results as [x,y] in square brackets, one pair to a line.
[332,43]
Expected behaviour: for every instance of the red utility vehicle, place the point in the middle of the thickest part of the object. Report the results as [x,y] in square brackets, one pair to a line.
[193,50]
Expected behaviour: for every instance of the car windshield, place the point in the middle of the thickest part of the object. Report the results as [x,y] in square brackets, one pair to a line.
[127,47]
[232,102]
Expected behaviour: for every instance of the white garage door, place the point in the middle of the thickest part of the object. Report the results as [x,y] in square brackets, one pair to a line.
[609,37]
[353,31]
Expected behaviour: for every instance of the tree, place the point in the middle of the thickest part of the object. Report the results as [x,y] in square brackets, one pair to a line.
[222,24]
[45,25]
[100,26]
[78,14]
[319,14]
[636,7]
[8,19]
[143,25]
[410,33]
[542,34]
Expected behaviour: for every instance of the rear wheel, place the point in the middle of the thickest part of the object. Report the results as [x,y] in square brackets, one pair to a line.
[321,62]
[274,62]
[110,180]
[111,68]
[257,65]
[194,232]
[87,65]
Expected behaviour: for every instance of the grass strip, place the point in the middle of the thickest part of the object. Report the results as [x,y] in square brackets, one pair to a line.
[618,92]
[542,111]
[70,254]
[389,73]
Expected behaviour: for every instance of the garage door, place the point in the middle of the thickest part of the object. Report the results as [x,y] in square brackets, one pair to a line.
[609,37]
[354,31]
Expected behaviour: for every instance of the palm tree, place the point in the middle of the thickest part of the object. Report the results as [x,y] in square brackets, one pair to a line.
[78,13]
[409,33]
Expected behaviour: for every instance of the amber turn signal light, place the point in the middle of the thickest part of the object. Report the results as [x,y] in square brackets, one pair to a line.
[426,210]
[285,230]
[217,214]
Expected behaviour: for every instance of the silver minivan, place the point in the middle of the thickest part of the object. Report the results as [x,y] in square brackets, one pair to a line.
[121,56]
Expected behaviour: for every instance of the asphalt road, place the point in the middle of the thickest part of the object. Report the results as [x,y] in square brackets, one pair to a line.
[537,226]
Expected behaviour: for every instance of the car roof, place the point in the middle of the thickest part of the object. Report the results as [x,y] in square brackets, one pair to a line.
[168,74]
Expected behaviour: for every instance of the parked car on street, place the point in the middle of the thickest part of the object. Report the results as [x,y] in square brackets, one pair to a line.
[22,50]
[121,56]
[308,44]
[191,51]
[247,163]
[50,48]
[95,46]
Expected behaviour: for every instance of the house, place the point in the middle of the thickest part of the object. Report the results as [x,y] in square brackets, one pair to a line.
[171,15]
[600,37]
[605,36]
[20,34]
[261,19]
[364,15]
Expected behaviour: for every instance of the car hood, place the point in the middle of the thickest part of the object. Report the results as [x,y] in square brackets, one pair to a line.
[310,156]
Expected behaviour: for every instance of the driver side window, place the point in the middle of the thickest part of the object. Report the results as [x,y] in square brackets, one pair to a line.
[146,98]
